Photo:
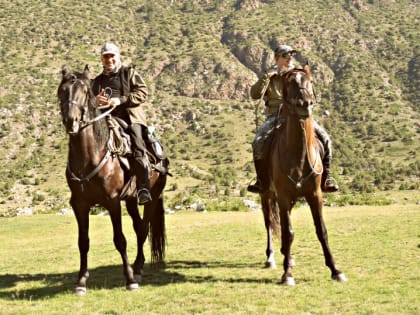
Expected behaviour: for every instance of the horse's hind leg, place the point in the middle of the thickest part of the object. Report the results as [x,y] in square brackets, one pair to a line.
[315,204]
[81,212]
[121,245]
[267,208]
[141,230]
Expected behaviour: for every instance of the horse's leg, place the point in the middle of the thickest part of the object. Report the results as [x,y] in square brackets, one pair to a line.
[141,230]
[81,211]
[315,203]
[267,208]
[287,237]
[121,244]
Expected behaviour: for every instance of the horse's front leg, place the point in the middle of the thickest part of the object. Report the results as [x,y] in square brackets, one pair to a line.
[81,212]
[141,230]
[121,244]
[287,236]
[315,203]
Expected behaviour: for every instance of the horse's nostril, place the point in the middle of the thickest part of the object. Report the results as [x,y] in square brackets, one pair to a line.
[307,103]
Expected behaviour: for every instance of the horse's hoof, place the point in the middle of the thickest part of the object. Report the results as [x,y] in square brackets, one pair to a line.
[340,277]
[132,286]
[79,291]
[270,265]
[287,280]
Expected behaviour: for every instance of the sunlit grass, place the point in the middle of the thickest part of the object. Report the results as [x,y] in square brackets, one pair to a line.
[214,265]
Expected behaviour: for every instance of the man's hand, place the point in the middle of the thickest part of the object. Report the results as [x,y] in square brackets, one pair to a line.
[272,71]
[101,99]
[115,101]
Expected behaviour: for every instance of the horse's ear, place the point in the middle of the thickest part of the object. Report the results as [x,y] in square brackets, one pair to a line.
[86,70]
[306,69]
[64,70]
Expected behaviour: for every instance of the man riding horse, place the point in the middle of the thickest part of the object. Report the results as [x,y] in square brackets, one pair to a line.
[270,87]
[122,86]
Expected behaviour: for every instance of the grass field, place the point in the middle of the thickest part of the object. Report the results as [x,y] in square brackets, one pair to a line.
[215,266]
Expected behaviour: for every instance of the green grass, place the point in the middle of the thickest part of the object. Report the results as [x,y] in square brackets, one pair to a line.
[214,265]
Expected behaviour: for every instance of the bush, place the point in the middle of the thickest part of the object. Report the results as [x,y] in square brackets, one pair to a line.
[357,200]
[225,204]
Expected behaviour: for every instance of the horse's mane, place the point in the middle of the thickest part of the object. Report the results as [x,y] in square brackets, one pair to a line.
[100,128]
[310,133]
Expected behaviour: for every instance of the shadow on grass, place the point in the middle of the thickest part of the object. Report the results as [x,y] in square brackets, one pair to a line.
[40,286]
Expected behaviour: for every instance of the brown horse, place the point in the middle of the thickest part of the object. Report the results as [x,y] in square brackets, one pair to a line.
[295,167]
[97,177]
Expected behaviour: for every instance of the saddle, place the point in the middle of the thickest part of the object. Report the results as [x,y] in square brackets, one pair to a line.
[120,142]
[120,145]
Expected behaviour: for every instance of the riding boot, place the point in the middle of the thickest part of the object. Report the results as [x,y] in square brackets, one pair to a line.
[140,163]
[328,183]
[143,182]
[261,185]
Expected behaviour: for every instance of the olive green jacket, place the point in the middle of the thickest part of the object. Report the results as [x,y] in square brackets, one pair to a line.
[272,88]
[134,94]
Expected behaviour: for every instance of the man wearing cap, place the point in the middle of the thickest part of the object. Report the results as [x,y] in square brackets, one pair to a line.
[270,87]
[127,90]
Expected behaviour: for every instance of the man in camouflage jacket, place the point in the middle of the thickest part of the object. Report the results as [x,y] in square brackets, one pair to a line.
[270,87]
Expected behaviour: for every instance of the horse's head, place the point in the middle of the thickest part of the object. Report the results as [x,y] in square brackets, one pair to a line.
[298,92]
[74,94]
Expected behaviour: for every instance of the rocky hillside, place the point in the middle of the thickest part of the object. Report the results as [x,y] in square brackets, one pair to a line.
[199,59]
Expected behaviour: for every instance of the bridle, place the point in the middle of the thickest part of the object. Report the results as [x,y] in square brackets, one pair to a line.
[291,106]
[292,103]
[84,122]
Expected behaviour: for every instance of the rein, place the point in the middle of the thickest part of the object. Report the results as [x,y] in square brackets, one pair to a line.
[99,117]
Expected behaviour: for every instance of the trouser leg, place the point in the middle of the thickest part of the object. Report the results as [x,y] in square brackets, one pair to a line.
[140,164]
[328,183]
[261,185]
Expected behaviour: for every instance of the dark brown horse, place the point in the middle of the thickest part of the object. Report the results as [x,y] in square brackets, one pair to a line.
[97,177]
[295,167]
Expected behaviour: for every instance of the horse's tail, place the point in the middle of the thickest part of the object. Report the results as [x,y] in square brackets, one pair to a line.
[157,234]
[275,218]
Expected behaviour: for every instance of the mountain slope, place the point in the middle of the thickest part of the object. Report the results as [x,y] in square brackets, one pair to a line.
[199,59]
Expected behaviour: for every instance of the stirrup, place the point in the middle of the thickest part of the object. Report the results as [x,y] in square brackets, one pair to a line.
[143,196]
[255,188]
[330,185]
